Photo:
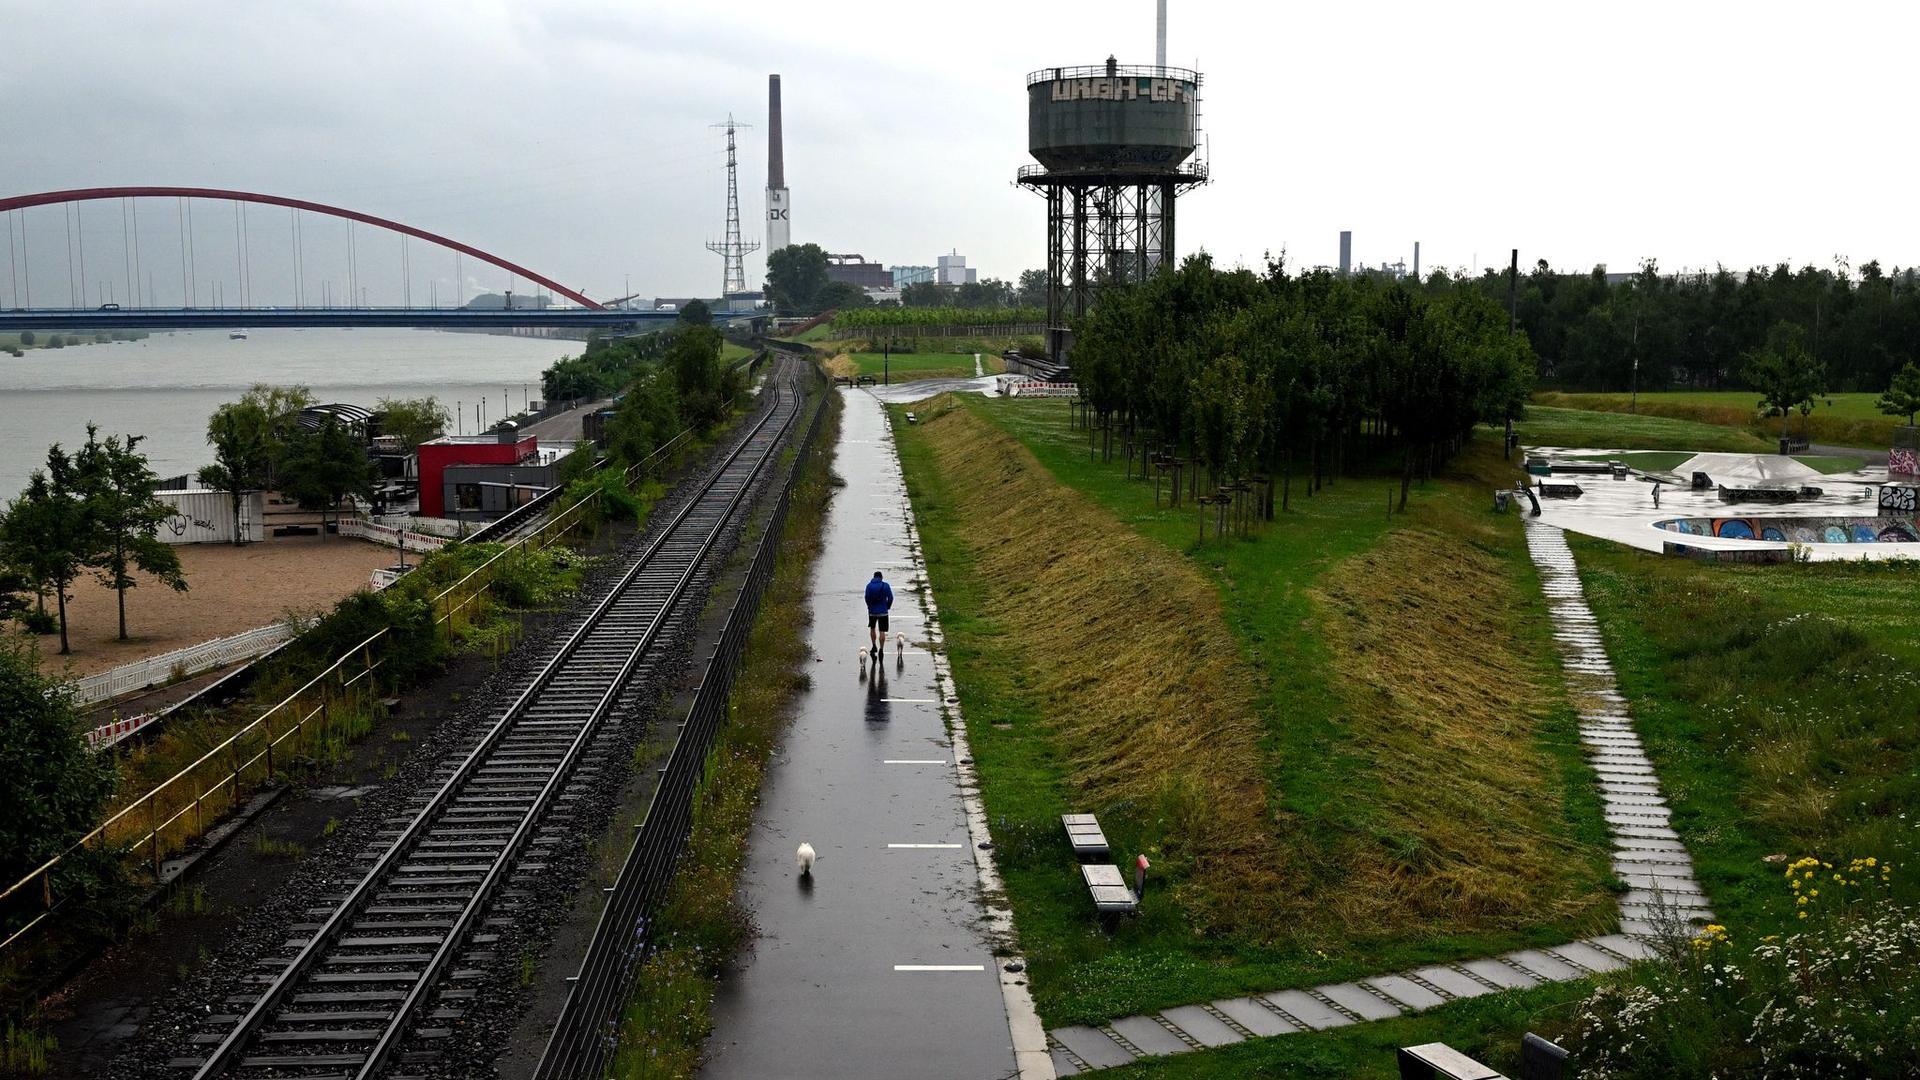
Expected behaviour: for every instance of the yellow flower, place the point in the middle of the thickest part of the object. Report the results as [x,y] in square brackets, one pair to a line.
[1800,900]
[1871,861]
[1813,892]
[1803,914]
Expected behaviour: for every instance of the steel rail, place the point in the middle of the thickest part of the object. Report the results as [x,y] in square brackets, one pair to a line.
[222,1057]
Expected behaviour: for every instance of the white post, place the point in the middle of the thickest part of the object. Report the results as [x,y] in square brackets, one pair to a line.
[1160,34]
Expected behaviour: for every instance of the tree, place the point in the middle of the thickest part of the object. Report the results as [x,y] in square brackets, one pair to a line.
[118,490]
[925,294]
[693,359]
[1784,373]
[237,432]
[1903,397]
[840,295]
[795,275]
[56,786]
[324,466]
[696,313]
[413,420]
[1032,290]
[27,338]
[49,535]
[279,411]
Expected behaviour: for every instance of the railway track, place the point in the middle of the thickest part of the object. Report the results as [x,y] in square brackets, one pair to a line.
[389,968]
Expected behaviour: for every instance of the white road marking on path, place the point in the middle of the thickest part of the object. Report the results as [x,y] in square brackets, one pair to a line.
[914,761]
[924,845]
[911,700]
[939,967]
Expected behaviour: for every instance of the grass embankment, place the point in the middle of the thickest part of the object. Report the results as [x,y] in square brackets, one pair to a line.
[1669,460]
[1850,419]
[1553,426]
[1340,761]
[702,926]
[1777,703]
[932,358]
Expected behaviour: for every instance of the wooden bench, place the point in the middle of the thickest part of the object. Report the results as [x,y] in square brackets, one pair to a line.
[1438,1061]
[1539,1060]
[1111,896]
[1109,890]
[1084,834]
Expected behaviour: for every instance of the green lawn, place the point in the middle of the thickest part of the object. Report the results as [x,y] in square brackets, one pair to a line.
[907,366]
[1844,406]
[1548,426]
[1669,460]
[1840,420]
[1778,704]
[1342,817]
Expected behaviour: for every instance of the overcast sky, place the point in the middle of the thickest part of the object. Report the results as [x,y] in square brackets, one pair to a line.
[574,138]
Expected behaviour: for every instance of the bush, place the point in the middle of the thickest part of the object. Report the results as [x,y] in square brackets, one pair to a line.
[55,785]
[1838,998]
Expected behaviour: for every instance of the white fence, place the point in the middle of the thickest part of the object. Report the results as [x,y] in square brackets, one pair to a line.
[1042,389]
[387,534]
[191,660]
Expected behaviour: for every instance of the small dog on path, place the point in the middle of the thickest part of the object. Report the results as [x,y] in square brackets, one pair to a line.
[804,857]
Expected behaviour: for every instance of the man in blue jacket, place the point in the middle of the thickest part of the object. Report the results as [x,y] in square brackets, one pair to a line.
[879,602]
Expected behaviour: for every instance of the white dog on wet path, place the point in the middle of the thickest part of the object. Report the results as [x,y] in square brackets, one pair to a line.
[804,857]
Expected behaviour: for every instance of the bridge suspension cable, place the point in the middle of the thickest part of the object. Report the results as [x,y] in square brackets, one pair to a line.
[189,270]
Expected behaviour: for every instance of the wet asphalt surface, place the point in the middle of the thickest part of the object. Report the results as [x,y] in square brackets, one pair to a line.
[877,967]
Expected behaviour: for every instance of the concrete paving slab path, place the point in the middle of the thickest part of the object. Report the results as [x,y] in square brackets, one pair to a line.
[881,966]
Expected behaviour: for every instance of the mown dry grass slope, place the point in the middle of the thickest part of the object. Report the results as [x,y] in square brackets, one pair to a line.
[1128,662]
[1342,742]
[1466,826]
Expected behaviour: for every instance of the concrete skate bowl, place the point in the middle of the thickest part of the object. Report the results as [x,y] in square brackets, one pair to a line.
[1800,530]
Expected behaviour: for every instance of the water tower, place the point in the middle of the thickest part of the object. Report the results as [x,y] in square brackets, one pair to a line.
[1115,148]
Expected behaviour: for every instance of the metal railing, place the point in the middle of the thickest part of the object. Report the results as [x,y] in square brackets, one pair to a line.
[584,1035]
[179,808]
[1121,71]
[191,660]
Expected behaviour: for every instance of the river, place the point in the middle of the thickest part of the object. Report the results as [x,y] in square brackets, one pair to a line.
[165,386]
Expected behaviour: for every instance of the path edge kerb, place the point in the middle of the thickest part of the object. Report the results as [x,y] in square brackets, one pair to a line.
[1029,1037]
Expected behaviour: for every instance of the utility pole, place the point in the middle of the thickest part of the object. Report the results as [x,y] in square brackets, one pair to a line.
[733,250]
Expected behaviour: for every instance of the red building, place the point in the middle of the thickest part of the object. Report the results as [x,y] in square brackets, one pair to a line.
[493,448]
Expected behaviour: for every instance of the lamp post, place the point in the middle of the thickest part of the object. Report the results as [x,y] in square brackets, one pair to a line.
[886,362]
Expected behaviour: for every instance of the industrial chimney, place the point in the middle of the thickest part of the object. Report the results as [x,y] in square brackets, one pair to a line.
[778,223]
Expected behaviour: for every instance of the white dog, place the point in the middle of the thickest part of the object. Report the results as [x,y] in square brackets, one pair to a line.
[804,857]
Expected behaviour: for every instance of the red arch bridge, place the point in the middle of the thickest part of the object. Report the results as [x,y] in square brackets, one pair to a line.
[143,313]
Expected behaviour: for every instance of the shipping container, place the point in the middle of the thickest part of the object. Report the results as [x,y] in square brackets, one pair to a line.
[206,517]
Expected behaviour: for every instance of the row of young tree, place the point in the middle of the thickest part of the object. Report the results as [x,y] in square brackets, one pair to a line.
[1596,331]
[665,382]
[1256,375]
[95,509]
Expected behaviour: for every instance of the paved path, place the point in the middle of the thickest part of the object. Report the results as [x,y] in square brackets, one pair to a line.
[569,426]
[1647,855]
[882,967]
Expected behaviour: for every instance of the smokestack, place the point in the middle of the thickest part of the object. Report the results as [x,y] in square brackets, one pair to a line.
[776,165]
[1416,260]
[779,223]
[1160,34]
[1346,251]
